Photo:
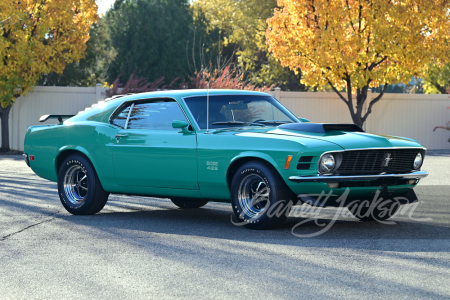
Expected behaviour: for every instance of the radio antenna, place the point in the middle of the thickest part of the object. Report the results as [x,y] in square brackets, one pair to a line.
[207,107]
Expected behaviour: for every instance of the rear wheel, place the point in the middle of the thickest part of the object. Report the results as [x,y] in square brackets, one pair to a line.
[79,188]
[189,202]
[260,199]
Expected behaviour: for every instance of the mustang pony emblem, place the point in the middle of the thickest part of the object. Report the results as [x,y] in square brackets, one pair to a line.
[386,159]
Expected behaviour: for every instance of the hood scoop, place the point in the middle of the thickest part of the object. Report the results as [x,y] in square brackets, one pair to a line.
[321,127]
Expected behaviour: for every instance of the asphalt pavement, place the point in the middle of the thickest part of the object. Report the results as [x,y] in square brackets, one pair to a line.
[141,248]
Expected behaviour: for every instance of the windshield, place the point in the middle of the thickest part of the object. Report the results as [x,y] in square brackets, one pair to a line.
[238,111]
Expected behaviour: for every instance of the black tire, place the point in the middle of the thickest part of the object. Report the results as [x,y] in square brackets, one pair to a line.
[87,196]
[259,197]
[366,211]
[189,202]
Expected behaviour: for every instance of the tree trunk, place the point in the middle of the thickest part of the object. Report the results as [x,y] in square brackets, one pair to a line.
[4,116]
[356,109]
[440,88]
[357,115]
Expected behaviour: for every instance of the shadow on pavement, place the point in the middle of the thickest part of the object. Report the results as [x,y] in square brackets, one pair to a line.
[214,221]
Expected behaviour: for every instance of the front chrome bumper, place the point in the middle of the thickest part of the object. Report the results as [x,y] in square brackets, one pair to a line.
[331,178]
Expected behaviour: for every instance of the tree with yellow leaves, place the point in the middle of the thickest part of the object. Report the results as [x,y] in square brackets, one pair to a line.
[353,45]
[36,37]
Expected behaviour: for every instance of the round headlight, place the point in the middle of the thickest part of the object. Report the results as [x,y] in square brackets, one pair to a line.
[327,163]
[418,161]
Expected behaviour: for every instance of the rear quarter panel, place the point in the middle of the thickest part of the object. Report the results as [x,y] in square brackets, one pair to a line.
[93,139]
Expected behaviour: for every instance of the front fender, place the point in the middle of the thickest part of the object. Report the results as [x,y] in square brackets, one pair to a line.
[255,154]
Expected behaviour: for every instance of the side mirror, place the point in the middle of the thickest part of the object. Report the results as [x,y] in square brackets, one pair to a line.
[181,124]
[304,120]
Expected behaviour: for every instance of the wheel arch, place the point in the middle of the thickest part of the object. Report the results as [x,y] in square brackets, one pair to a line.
[66,151]
[243,158]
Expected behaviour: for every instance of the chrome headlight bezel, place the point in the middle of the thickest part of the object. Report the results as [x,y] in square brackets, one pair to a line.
[335,157]
[418,160]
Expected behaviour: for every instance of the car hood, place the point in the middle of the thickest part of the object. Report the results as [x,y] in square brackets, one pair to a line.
[351,140]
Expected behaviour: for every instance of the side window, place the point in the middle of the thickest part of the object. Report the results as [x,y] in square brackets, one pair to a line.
[157,115]
[121,118]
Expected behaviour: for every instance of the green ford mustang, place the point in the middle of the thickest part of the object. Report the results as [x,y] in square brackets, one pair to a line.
[195,146]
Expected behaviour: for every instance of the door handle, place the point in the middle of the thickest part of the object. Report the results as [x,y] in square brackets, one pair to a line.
[118,136]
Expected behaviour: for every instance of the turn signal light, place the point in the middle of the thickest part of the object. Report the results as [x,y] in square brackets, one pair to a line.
[31,157]
[288,162]
[333,185]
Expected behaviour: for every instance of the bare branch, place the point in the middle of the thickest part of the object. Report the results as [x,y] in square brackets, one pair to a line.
[377,63]
[359,18]
[350,17]
[337,92]
[368,41]
[441,127]
[369,110]
[349,93]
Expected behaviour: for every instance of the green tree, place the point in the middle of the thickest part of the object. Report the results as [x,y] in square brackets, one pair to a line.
[151,38]
[242,25]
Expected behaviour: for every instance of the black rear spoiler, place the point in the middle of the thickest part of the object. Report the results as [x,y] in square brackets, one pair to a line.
[59,117]
[321,128]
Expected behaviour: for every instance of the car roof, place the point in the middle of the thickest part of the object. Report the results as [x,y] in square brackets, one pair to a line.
[177,94]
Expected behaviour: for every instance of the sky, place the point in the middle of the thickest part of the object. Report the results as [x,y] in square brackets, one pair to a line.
[103,5]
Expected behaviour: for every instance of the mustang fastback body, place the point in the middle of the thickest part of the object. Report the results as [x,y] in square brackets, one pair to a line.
[195,146]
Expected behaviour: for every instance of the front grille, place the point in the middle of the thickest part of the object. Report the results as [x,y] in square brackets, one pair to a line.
[372,161]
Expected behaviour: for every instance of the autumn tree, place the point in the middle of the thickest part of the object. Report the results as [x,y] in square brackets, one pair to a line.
[38,36]
[92,68]
[355,45]
[437,79]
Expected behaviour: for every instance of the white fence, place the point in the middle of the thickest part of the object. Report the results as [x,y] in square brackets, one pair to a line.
[410,115]
[27,110]
[413,116]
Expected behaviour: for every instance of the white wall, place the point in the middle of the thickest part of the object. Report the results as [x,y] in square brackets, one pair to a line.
[27,110]
[410,115]
[413,116]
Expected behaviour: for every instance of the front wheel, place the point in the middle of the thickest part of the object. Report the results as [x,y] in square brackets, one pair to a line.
[260,198]
[79,188]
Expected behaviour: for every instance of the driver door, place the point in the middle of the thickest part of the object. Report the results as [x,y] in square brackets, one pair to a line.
[148,152]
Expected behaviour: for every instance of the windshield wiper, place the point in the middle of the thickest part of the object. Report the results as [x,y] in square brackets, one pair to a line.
[229,123]
[239,123]
[274,122]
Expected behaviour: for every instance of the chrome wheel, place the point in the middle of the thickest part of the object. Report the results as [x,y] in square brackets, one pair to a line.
[253,195]
[76,184]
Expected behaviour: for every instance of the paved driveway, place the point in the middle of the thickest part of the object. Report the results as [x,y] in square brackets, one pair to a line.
[141,247]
